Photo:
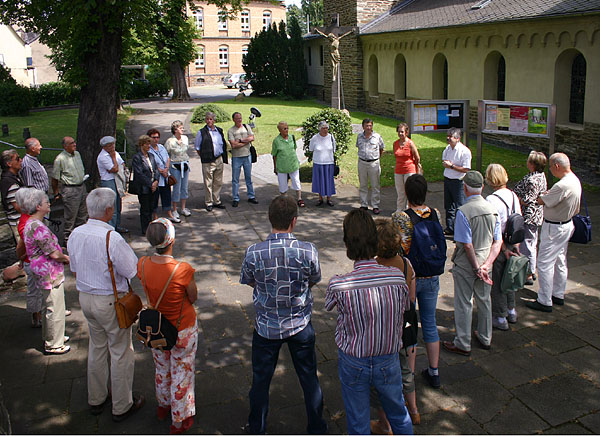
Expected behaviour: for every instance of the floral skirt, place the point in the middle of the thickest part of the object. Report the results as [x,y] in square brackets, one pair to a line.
[175,375]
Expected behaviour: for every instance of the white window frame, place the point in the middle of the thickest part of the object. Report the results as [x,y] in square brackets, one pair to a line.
[200,58]
[222,22]
[244,50]
[199,18]
[245,20]
[267,19]
[224,56]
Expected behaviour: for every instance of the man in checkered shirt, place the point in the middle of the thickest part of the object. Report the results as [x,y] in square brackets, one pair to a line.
[282,270]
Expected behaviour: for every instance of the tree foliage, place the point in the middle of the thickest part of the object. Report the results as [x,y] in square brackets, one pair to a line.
[199,114]
[275,63]
[340,126]
[5,76]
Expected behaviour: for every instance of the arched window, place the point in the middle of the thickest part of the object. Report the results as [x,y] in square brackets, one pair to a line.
[439,71]
[494,77]
[400,77]
[245,20]
[200,57]
[198,15]
[266,20]
[224,56]
[569,86]
[373,76]
[222,21]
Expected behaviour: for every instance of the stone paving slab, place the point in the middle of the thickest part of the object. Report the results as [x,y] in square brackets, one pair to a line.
[541,376]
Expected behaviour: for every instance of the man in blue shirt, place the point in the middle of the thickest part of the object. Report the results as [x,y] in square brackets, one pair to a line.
[282,270]
[478,241]
[212,149]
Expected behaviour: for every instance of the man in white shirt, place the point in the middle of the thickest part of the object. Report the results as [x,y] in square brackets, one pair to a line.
[560,203]
[370,148]
[89,265]
[108,162]
[456,160]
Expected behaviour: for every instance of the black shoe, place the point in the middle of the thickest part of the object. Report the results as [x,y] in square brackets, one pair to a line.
[376,211]
[433,380]
[535,305]
[235,203]
[253,200]
[209,208]
[220,206]
[364,208]
[558,301]
[529,282]
[97,410]
[138,403]
[448,232]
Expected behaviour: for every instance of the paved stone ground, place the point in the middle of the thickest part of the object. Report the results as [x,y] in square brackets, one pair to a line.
[542,376]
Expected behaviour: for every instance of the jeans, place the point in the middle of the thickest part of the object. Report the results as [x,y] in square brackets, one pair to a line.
[264,360]
[237,163]
[164,192]
[357,374]
[454,197]
[427,294]
[180,189]
[115,221]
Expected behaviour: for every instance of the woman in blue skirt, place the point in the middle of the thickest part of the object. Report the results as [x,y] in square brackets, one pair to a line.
[323,147]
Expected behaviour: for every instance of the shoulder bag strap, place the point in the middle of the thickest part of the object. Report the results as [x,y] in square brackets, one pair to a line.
[163,292]
[110,267]
[502,200]
[166,286]
[144,281]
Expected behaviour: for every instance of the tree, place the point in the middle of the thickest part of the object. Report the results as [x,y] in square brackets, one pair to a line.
[297,79]
[314,10]
[294,12]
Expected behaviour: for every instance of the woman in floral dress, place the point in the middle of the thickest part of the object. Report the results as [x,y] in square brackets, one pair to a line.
[175,369]
[46,261]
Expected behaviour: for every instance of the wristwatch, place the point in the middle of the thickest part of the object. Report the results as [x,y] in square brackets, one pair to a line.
[451,166]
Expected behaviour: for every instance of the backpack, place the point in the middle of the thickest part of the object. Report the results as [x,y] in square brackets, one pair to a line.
[428,247]
[514,232]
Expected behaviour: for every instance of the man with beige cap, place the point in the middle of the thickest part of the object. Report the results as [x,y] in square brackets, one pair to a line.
[109,162]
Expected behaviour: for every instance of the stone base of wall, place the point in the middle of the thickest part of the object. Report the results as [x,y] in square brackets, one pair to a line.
[385,104]
[206,79]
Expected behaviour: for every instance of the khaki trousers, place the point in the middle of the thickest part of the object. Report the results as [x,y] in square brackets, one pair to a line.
[467,286]
[75,210]
[369,172]
[107,340]
[53,317]
[213,181]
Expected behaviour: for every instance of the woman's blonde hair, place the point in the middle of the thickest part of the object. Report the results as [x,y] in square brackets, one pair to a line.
[496,175]
[144,139]
[538,160]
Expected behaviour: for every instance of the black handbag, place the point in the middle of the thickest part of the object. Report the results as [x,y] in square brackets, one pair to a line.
[133,187]
[154,329]
[253,154]
[410,329]
[583,226]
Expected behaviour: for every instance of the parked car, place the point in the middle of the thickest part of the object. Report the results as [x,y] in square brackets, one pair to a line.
[231,80]
[243,83]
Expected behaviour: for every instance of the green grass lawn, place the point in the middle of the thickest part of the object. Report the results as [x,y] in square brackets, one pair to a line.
[49,127]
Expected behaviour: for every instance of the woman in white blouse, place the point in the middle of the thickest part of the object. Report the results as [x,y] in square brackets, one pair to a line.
[323,147]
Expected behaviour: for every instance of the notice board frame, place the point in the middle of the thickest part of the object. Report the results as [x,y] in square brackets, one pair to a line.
[482,124]
[464,125]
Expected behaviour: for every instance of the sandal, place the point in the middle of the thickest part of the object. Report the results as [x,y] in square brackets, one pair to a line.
[320,202]
[330,203]
[59,350]
[301,203]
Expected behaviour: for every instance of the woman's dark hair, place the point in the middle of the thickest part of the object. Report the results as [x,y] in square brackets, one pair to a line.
[155,234]
[405,127]
[282,210]
[390,243]
[360,235]
[153,132]
[416,189]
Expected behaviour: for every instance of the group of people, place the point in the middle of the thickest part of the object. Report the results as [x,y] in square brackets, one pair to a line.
[376,360]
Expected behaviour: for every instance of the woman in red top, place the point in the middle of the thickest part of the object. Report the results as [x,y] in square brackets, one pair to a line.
[407,163]
[175,369]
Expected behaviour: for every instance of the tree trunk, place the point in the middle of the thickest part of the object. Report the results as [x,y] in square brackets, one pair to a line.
[180,90]
[99,98]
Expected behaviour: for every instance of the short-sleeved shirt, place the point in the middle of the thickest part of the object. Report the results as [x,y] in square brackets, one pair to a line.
[68,168]
[561,202]
[156,276]
[368,148]
[528,190]
[178,150]
[282,270]
[161,157]
[460,155]
[462,228]
[405,225]
[40,242]
[511,200]
[10,184]
[105,163]
[34,174]
[323,148]
[371,301]
[285,152]
[237,134]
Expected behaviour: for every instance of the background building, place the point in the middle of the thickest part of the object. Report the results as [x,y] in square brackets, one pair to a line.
[224,42]
[542,51]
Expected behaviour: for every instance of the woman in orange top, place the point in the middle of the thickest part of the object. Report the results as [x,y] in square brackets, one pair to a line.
[175,369]
[407,163]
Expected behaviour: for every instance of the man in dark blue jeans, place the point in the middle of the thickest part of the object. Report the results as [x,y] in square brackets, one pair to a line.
[282,270]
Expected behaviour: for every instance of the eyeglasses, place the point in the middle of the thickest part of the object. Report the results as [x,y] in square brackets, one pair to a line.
[155,137]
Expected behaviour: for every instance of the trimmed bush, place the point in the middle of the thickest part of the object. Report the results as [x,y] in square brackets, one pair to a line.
[221,115]
[55,93]
[340,126]
[14,99]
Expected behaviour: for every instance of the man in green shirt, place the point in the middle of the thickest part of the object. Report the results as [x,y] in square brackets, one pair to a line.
[285,161]
[69,172]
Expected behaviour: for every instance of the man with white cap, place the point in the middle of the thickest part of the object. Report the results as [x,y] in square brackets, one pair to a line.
[478,241]
[109,162]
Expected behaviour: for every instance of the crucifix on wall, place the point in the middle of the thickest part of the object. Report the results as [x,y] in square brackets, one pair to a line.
[334,33]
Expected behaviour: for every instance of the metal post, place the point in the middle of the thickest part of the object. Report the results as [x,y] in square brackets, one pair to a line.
[480,125]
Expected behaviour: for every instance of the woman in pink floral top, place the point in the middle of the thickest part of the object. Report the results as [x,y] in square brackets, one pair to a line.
[47,264]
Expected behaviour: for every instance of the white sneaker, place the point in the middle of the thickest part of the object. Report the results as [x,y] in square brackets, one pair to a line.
[175,214]
[174,219]
[185,212]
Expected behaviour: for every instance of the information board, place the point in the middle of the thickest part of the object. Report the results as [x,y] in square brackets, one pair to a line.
[521,119]
[435,115]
